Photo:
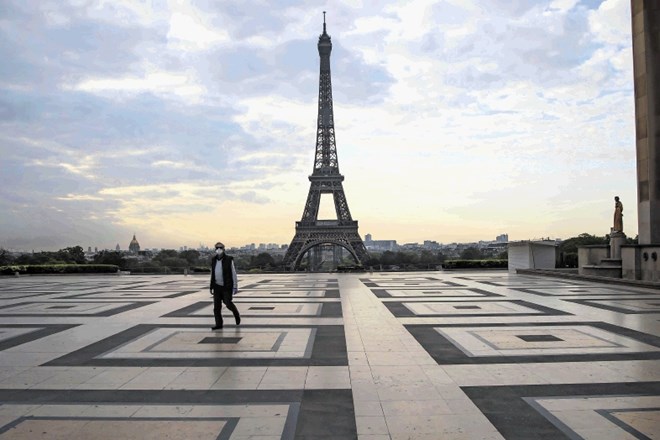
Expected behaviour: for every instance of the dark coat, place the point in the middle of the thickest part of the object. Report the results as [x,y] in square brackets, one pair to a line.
[227,275]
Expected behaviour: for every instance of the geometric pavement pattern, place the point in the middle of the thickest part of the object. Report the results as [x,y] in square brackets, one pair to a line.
[419,355]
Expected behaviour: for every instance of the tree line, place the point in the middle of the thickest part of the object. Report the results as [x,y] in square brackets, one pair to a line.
[68,255]
[568,249]
[172,261]
[164,261]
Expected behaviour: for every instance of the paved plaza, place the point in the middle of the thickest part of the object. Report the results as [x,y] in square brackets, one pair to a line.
[420,355]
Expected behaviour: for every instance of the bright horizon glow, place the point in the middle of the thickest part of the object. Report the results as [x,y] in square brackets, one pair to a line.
[185,123]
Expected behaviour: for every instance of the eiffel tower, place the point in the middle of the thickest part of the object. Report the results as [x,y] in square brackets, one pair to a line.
[311,232]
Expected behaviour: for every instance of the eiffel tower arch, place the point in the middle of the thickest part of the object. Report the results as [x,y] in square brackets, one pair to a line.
[311,232]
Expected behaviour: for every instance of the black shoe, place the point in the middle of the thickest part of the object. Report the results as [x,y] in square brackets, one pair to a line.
[217,327]
[238,319]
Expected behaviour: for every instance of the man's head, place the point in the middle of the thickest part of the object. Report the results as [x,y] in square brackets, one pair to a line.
[616,198]
[219,249]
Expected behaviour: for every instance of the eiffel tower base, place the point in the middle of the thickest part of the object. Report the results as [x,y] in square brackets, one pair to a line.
[324,232]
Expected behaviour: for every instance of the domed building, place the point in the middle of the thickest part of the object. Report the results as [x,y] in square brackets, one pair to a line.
[134,247]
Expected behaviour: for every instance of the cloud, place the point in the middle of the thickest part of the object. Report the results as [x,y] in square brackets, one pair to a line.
[611,23]
[80,197]
[188,31]
[454,119]
[180,85]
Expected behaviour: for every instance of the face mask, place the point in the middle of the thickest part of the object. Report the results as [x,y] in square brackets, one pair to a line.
[219,251]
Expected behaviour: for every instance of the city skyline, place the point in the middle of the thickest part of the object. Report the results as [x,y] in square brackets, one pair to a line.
[368,239]
[195,123]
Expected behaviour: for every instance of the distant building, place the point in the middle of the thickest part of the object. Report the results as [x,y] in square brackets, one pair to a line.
[503,238]
[134,247]
[89,255]
[117,248]
[379,245]
[495,248]
[432,245]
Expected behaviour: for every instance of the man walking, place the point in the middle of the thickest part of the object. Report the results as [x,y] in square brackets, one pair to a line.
[224,284]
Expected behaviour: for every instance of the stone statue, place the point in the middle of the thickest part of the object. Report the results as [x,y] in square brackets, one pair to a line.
[618,215]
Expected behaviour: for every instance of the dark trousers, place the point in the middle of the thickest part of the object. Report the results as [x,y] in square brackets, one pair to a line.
[222,295]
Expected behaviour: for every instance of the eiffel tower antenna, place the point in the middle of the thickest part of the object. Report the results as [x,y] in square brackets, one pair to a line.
[312,233]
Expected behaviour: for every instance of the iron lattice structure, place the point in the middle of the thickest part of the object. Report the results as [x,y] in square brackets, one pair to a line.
[325,179]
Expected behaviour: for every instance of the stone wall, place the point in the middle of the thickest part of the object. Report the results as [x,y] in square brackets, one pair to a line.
[592,255]
[641,262]
[531,255]
[646,66]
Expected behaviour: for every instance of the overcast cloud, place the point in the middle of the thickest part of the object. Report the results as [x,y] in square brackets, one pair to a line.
[186,122]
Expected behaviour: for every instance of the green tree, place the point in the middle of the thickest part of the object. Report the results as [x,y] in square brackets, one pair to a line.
[192,256]
[373,261]
[174,262]
[471,253]
[584,239]
[5,257]
[569,247]
[74,254]
[150,266]
[262,261]
[33,258]
[242,262]
[165,254]
[388,258]
[404,258]
[110,257]
[427,257]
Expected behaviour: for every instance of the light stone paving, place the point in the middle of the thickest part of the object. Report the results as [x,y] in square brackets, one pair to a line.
[431,355]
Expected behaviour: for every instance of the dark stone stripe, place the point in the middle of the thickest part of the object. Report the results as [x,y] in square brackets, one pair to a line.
[323,414]
[445,352]
[329,349]
[516,419]
[42,331]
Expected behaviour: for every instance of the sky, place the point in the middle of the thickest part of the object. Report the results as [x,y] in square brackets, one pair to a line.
[187,122]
